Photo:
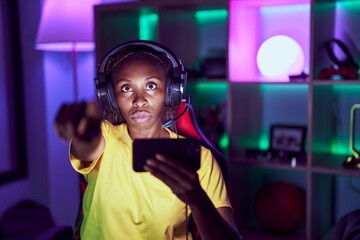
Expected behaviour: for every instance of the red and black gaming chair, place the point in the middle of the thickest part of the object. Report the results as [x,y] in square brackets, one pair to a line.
[187,126]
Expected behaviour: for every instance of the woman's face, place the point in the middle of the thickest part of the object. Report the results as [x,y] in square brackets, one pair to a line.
[140,88]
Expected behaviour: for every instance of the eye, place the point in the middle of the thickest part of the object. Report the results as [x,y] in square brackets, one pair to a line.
[151,86]
[126,88]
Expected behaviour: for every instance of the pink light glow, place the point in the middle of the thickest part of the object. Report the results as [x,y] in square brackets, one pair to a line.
[66,25]
[242,44]
[252,22]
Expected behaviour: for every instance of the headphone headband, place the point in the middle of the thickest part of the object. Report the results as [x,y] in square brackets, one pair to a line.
[175,62]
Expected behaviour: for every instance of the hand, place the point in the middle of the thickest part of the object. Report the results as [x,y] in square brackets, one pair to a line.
[183,181]
[80,121]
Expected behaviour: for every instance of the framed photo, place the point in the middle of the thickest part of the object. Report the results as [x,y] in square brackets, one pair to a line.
[287,138]
[13,164]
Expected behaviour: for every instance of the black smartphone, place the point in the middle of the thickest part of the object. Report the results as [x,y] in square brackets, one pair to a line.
[184,150]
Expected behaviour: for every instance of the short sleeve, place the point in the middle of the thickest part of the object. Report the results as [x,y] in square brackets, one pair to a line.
[212,181]
[79,165]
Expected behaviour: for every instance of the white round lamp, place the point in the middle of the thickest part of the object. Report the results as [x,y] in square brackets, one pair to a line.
[280,56]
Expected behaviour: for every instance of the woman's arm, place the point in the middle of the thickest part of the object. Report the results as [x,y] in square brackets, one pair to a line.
[214,223]
[87,151]
[211,222]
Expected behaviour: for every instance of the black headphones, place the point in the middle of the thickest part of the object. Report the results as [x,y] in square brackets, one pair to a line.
[175,80]
[348,61]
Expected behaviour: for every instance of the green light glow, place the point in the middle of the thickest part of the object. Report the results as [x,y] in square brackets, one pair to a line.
[224,141]
[206,16]
[350,4]
[284,88]
[148,25]
[212,86]
[264,141]
[321,148]
[346,92]
[204,94]
[348,88]
[339,148]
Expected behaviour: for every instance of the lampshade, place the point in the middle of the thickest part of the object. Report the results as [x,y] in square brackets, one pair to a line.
[66,25]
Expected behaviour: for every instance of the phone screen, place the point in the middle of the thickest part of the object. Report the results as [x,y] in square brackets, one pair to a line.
[184,150]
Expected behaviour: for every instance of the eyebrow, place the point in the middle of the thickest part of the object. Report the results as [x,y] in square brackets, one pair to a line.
[146,79]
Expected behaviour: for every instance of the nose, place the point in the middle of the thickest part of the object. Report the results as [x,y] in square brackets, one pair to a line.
[140,100]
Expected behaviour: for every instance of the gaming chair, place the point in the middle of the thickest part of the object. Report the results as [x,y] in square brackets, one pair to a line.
[187,125]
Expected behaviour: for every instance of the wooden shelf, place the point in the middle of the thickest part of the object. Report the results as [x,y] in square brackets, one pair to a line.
[270,164]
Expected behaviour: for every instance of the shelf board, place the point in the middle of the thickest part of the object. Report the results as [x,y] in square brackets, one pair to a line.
[335,82]
[256,233]
[336,171]
[272,163]
[333,165]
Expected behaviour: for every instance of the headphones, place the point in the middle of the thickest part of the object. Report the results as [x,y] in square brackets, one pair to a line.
[175,80]
[348,61]
[345,69]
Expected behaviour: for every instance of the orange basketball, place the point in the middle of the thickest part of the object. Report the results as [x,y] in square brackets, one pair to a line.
[280,207]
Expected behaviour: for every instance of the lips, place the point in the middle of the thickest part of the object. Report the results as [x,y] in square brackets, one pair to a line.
[141,116]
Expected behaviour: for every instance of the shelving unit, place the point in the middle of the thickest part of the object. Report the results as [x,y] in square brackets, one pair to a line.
[330,130]
[196,29]
[180,25]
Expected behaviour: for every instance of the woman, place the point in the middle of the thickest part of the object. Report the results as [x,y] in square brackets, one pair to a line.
[120,203]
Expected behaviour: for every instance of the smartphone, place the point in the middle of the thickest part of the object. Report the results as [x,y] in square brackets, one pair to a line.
[184,150]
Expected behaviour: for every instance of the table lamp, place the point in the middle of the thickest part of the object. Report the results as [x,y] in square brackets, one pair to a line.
[67,26]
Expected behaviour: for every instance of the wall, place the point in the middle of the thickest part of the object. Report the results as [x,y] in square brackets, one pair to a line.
[18,190]
[47,84]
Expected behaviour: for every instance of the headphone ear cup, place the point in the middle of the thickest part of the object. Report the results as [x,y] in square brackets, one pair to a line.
[176,95]
[174,92]
[168,101]
[106,96]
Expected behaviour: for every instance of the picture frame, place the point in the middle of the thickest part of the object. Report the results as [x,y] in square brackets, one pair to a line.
[13,163]
[287,138]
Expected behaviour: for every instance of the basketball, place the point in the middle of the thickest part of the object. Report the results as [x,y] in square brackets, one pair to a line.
[280,207]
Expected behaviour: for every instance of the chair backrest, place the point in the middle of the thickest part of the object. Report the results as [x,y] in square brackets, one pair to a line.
[188,126]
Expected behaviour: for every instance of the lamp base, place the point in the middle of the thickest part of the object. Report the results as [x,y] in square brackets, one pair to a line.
[351,162]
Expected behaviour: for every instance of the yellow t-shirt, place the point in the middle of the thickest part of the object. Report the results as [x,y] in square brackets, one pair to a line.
[120,203]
